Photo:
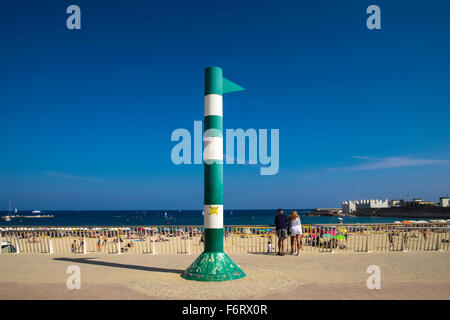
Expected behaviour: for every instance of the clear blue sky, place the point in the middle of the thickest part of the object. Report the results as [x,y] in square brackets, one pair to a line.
[86,116]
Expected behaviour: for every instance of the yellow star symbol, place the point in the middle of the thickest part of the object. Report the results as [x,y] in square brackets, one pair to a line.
[213,210]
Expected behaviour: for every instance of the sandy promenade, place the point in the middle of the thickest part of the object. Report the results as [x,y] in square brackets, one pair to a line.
[404,275]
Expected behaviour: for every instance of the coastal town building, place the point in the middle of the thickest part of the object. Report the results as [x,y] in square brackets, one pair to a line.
[417,208]
[444,202]
[352,206]
[348,206]
[420,202]
[395,203]
[326,212]
[428,203]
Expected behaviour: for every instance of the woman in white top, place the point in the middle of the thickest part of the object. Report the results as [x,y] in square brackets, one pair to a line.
[295,228]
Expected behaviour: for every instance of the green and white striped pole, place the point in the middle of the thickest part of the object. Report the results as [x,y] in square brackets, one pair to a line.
[214,264]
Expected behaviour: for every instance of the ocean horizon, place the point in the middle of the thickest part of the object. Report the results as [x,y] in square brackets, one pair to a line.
[172,217]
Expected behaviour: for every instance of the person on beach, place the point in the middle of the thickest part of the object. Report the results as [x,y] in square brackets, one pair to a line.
[74,246]
[81,244]
[99,243]
[391,239]
[281,229]
[269,247]
[295,231]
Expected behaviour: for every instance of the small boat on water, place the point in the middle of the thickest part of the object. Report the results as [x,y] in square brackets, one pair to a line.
[8,217]
[168,217]
[36,214]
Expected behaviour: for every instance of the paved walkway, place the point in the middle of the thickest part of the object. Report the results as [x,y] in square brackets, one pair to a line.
[418,275]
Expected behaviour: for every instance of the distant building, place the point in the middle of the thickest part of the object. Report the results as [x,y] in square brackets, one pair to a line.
[428,203]
[444,202]
[372,204]
[353,206]
[348,206]
[420,202]
[326,211]
[395,203]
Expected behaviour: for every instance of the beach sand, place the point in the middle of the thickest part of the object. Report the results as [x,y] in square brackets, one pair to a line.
[404,275]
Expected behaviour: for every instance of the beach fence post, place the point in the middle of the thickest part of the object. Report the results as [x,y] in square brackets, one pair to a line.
[402,240]
[367,242]
[437,242]
[214,264]
[50,246]
[188,245]
[17,246]
[153,244]
[84,245]
[234,233]
[118,242]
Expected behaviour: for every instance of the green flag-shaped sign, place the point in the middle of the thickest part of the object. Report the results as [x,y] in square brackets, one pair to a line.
[230,86]
[217,84]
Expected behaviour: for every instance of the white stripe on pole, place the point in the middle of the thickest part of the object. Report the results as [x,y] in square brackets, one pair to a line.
[213,105]
[17,246]
[213,218]
[50,246]
[213,148]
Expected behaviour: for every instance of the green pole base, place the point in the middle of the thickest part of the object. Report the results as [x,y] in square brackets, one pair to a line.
[213,266]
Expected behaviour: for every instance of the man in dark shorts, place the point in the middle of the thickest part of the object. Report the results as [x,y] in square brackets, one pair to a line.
[281,228]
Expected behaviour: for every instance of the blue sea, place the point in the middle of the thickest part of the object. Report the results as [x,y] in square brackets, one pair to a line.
[173,217]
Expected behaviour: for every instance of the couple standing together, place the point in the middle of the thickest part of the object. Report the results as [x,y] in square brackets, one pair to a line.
[293,227]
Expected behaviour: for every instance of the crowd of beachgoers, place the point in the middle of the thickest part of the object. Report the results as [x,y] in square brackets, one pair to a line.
[262,239]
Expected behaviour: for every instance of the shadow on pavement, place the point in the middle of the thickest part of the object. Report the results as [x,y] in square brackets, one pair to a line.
[118,265]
